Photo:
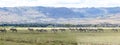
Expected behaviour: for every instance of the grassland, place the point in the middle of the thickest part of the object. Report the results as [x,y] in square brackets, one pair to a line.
[36,38]
[24,37]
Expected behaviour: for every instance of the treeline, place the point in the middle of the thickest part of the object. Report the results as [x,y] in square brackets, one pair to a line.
[39,25]
[61,25]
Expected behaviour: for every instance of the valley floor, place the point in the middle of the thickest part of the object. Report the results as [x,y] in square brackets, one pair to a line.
[60,38]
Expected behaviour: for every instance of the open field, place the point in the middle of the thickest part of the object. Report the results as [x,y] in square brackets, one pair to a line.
[35,38]
[25,37]
[64,38]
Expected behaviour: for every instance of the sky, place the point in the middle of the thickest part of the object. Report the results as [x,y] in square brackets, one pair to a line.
[60,3]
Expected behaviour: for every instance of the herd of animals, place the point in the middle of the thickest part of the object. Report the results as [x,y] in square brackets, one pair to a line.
[59,30]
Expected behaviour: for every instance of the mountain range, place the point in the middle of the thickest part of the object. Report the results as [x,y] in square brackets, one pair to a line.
[40,14]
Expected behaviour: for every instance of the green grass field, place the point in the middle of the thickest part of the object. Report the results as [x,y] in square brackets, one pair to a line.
[65,38]
[24,37]
[36,38]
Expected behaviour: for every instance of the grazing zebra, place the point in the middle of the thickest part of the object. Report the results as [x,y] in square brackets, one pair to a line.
[62,30]
[30,29]
[82,30]
[115,30]
[72,30]
[100,30]
[41,30]
[92,30]
[13,30]
[54,30]
[3,30]
[95,30]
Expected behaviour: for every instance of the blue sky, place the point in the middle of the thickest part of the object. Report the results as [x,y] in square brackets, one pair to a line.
[61,3]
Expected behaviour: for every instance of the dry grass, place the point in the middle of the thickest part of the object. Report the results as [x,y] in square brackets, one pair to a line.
[24,37]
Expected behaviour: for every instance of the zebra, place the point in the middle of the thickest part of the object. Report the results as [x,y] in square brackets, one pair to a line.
[3,30]
[115,30]
[82,30]
[54,30]
[30,29]
[41,30]
[92,30]
[72,30]
[95,30]
[100,30]
[62,30]
[13,30]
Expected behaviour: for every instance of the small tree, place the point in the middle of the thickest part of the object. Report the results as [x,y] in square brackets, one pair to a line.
[68,25]
[50,26]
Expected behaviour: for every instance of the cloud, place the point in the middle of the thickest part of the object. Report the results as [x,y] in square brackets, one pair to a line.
[60,3]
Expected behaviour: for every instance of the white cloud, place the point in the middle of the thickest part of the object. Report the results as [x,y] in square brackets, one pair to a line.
[60,3]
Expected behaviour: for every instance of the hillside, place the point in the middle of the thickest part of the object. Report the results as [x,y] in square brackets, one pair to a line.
[41,14]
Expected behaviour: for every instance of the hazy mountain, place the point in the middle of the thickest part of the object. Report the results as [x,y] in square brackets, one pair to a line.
[59,15]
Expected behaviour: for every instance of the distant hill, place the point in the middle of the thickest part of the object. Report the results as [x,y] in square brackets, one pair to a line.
[41,14]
